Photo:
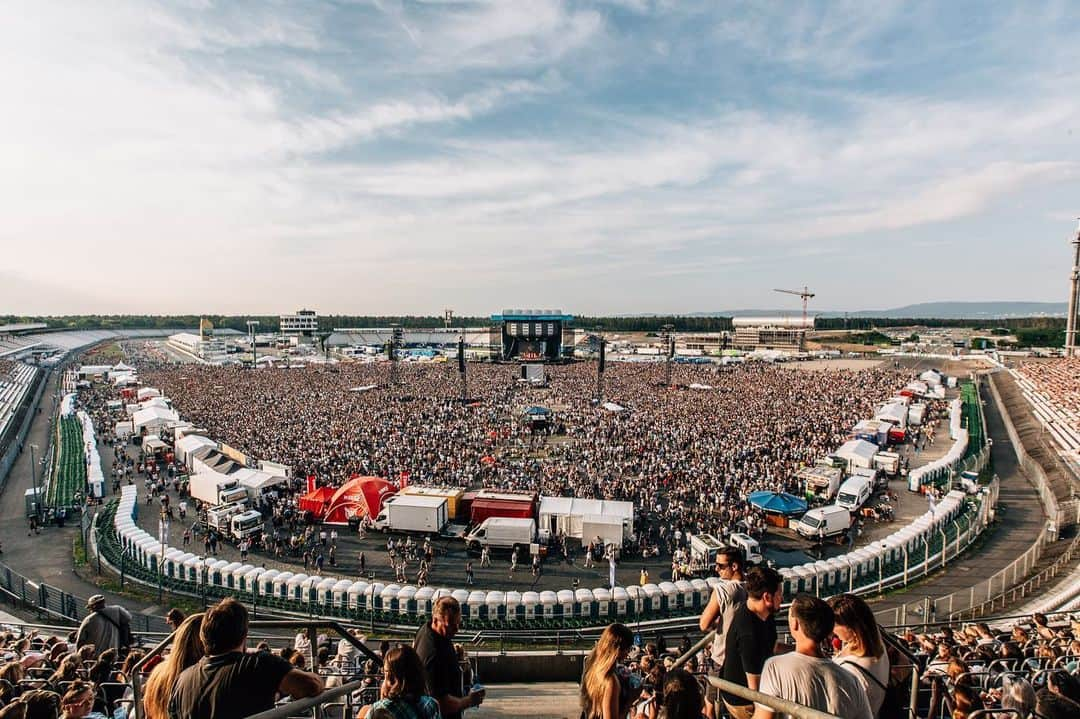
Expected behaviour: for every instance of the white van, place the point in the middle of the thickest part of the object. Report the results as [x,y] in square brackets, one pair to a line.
[854,492]
[823,522]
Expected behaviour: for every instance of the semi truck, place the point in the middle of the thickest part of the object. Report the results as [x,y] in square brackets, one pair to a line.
[412,513]
[502,533]
[218,518]
[821,482]
[487,504]
[246,524]
[213,489]
[454,496]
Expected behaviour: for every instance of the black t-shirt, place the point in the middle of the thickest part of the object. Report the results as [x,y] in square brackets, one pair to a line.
[749,642]
[440,664]
[228,686]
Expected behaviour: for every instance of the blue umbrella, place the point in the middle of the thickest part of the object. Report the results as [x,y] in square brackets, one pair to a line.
[778,502]
[538,411]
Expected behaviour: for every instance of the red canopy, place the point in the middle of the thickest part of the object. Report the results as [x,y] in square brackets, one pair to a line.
[359,497]
[316,501]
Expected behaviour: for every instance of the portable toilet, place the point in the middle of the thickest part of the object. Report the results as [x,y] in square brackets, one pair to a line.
[324,592]
[358,592]
[566,603]
[250,580]
[837,570]
[238,575]
[669,596]
[307,589]
[515,610]
[171,558]
[703,590]
[227,578]
[182,571]
[548,601]
[687,594]
[406,600]
[462,596]
[423,601]
[823,575]
[295,586]
[147,551]
[806,578]
[214,572]
[788,581]
[266,583]
[530,605]
[281,584]
[373,596]
[619,598]
[340,593]
[496,605]
[388,597]
[583,600]
[602,597]
[475,603]
[651,595]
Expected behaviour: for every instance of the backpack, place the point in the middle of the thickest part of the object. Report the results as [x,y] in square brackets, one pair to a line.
[897,695]
[123,629]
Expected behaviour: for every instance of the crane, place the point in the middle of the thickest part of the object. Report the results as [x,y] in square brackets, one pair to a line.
[804,293]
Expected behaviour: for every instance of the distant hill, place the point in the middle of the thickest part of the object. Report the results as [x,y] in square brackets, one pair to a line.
[922,310]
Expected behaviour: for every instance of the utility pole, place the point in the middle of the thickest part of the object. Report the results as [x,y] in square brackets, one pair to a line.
[1071,329]
[668,333]
[600,366]
[251,325]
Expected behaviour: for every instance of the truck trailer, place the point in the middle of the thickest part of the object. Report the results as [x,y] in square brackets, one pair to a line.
[498,504]
[412,513]
[455,505]
[214,489]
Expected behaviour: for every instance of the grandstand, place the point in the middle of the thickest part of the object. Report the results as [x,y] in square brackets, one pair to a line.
[16,379]
[436,337]
[14,345]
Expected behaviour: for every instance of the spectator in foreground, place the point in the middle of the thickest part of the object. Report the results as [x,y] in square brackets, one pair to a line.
[862,650]
[728,594]
[1051,705]
[605,693]
[751,637]
[229,682]
[435,646]
[105,627]
[34,704]
[186,649]
[402,690]
[78,702]
[805,676]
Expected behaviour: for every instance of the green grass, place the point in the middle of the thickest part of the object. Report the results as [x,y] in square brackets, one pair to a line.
[69,466]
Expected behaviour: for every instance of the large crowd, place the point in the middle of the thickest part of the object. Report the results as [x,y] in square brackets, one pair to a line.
[687,458]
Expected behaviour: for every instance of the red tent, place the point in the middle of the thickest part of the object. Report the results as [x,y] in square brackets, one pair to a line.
[316,501]
[359,497]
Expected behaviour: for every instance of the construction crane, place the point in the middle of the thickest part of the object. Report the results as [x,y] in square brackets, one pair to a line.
[804,293]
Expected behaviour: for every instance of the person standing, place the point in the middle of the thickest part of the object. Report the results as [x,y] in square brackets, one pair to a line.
[229,681]
[611,567]
[862,651]
[605,690]
[727,596]
[106,626]
[469,577]
[435,647]
[751,636]
[806,677]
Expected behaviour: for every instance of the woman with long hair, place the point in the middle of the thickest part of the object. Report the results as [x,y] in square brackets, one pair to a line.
[402,689]
[862,650]
[604,695]
[186,649]
[682,696]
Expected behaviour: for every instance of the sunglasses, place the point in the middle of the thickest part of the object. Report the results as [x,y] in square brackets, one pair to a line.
[722,565]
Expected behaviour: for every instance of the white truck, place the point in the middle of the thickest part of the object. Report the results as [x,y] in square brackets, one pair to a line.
[823,522]
[821,482]
[751,547]
[213,489]
[246,524]
[502,533]
[412,513]
[854,492]
[888,463]
[218,518]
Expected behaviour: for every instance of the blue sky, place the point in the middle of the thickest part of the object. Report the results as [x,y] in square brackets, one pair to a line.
[606,157]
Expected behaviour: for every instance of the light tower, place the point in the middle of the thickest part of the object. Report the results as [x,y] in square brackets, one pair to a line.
[1071,328]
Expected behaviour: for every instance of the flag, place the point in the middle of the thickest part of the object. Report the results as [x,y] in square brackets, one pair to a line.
[311,483]
[404,479]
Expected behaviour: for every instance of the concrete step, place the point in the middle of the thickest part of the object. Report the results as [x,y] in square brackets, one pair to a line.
[543,701]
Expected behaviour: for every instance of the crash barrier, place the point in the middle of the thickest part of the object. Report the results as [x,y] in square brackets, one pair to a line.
[929,543]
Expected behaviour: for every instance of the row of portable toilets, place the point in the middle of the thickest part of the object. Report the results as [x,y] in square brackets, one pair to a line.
[339,595]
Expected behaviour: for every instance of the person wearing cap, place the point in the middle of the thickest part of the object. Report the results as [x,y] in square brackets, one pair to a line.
[105,626]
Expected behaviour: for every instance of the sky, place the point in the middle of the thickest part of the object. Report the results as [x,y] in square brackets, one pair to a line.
[614,157]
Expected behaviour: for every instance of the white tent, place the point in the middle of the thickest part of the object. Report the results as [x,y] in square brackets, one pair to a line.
[147,393]
[189,443]
[153,418]
[566,514]
[613,408]
[699,386]
[121,367]
[156,402]
[858,453]
[255,481]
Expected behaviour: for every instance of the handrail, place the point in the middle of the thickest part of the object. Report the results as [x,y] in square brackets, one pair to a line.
[136,685]
[296,706]
[797,711]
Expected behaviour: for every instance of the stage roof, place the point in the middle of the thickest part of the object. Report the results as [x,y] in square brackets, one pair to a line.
[530,315]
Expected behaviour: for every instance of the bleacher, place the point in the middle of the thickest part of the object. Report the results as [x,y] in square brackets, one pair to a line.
[16,379]
[67,341]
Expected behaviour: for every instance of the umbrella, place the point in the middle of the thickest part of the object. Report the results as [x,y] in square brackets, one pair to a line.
[777,502]
[538,411]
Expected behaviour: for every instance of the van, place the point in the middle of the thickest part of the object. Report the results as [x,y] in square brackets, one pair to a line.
[823,522]
[854,492]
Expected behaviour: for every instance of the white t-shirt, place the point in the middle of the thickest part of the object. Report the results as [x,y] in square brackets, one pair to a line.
[814,682]
[878,668]
[729,594]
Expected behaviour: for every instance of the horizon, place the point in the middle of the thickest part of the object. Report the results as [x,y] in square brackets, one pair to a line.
[616,155]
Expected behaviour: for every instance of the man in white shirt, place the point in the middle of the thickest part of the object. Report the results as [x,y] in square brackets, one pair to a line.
[806,677]
[728,594]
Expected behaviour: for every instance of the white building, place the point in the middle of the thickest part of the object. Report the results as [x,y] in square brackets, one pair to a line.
[305,323]
[772,333]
